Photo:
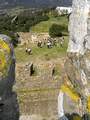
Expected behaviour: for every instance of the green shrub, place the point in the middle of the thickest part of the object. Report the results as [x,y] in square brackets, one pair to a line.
[55,30]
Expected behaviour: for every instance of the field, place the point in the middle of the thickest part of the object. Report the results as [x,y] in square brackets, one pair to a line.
[45,25]
[41,53]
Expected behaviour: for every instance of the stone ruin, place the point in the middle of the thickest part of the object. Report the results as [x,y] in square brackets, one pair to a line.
[9,109]
[76,88]
[28,37]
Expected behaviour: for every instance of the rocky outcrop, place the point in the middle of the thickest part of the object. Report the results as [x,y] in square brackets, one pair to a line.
[77,65]
[79,49]
[9,109]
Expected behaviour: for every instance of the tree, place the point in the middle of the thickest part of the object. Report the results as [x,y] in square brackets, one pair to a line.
[55,30]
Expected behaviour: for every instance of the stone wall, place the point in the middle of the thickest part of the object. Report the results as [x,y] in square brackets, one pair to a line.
[28,37]
[38,93]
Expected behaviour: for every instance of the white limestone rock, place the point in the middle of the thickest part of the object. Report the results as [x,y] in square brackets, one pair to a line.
[78,26]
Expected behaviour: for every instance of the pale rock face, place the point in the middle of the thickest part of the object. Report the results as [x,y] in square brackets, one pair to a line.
[77,65]
[78,26]
[79,43]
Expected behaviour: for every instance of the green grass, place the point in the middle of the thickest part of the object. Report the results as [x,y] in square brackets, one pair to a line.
[41,53]
[45,25]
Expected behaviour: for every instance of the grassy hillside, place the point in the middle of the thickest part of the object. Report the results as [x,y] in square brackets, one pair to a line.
[41,53]
[44,53]
[45,25]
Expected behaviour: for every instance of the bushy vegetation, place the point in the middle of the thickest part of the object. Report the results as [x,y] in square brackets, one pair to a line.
[9,25]
[20,23]
[45,25]
[55,30]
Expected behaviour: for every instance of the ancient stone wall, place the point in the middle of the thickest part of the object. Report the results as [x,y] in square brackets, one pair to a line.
[38,93]
[28,37]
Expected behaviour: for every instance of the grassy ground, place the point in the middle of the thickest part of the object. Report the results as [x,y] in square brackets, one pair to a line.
[41,53]
[44,53]
[45,25]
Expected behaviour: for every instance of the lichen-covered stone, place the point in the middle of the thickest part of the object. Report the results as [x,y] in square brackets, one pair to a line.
[77,65]
[9,109]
